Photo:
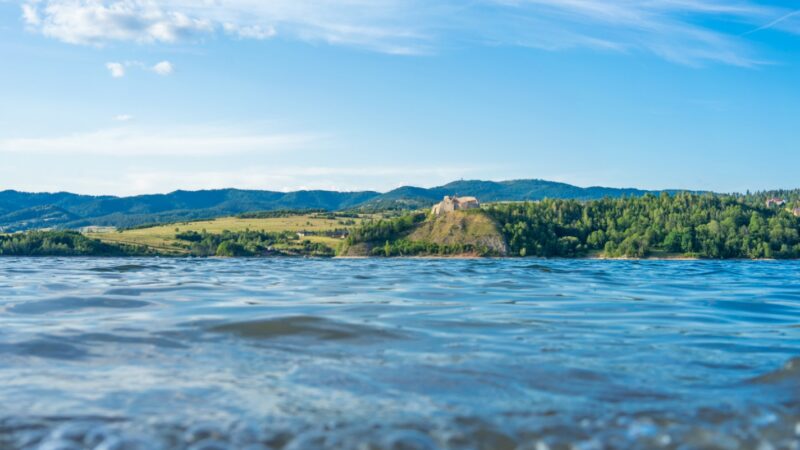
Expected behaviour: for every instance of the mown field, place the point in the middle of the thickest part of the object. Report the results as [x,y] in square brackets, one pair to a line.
[162,237]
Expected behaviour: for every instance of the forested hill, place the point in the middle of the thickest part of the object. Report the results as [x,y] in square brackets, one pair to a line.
[23,211]
[493,191]
[680,225]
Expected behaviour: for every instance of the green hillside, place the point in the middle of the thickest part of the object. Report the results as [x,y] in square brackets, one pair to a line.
[679,225]
[458,233]
[462,229]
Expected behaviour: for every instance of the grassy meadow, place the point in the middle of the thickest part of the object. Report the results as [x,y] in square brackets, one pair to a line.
[162,237]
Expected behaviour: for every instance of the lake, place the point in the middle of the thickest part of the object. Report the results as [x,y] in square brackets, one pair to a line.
[398,354]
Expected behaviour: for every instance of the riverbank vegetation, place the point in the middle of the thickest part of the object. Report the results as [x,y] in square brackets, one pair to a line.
[63,243]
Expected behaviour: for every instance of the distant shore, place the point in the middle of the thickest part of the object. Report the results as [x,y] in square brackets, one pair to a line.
[408,257]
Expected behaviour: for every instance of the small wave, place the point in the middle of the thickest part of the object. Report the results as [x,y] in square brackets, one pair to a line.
[396,354]
[701,430]
[124,268]
[789,373]
[543,268]
[305,326]
[45,348]
[64,304]
[136,340]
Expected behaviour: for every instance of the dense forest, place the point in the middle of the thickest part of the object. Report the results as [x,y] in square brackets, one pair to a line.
[62,243]
[693,225]
[384,229]
[705,226]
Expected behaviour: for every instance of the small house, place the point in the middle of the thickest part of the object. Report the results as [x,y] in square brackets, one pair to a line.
[775,202]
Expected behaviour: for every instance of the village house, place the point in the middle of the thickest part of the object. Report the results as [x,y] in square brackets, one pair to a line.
[454,203]
[775,202]
[796,212]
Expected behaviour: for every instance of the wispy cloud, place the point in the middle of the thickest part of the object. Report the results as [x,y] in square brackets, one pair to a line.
[31,15]
[123,118]
[249,31]
[142,141]
[120,69]
[287,178]
[133,180]
[777,22]
[683,31]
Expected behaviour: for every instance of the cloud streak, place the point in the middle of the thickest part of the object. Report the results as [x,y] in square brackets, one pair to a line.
[682,31]
[290,178]
[126,141]
[775,22]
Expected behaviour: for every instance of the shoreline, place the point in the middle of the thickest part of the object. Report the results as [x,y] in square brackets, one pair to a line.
[416,257]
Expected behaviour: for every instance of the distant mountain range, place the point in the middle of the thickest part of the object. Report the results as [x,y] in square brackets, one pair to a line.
[24,211]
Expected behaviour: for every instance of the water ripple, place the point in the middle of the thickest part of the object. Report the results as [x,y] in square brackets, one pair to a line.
[398,354]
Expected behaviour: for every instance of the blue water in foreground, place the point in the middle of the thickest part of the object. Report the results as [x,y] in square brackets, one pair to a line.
[212,354]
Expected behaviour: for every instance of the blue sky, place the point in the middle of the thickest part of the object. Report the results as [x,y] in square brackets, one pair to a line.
[137,96]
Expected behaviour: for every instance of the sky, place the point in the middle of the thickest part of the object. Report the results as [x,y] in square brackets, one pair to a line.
[128,97]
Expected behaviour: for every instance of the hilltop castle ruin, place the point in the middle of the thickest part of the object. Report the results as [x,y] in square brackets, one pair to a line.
[454,203]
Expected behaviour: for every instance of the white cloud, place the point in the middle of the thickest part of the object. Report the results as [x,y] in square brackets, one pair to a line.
[123,118]
[684,31]
[163,68]
[249,32]
[140,141]
[120,69]
[116,69]
[31,15]
[97,21]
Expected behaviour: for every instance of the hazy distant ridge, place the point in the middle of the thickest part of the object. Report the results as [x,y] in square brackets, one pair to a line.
[21,210]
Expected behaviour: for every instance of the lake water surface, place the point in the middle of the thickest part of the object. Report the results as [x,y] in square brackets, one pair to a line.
[213,354]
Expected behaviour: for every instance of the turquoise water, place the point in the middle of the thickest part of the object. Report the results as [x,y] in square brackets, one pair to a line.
[398,354]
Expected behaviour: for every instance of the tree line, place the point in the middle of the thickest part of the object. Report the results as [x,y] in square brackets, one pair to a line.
[689,224]
[250,243]
[63,243]
[697,225]
[382,230]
